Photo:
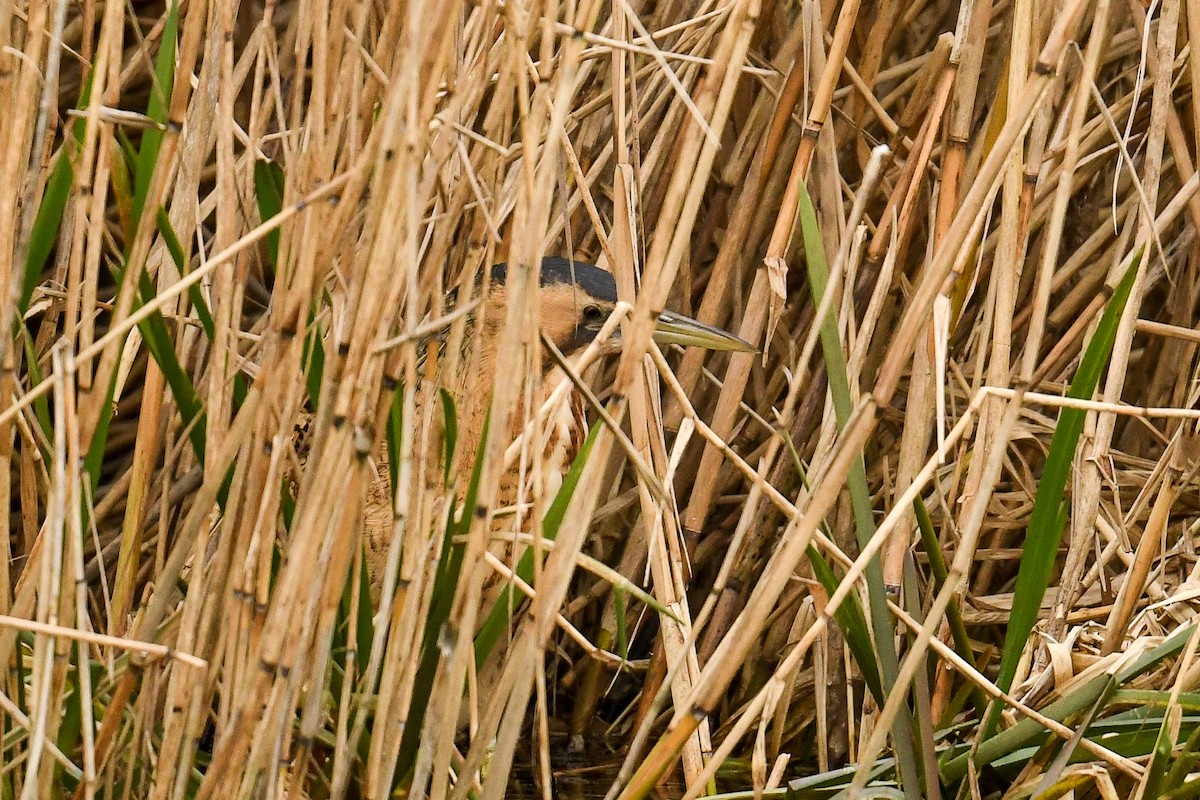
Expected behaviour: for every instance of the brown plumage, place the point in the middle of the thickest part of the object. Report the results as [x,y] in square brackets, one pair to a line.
[574,299]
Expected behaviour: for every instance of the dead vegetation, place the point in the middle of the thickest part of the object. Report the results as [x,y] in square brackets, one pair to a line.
[962,472]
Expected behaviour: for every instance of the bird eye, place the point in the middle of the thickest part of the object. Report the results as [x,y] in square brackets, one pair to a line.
[592,313]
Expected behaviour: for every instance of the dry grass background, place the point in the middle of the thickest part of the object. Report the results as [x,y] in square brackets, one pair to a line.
[222,222]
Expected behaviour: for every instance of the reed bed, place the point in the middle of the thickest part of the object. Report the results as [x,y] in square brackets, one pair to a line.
[938,539]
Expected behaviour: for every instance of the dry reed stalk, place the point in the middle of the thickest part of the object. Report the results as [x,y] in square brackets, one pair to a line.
[325,173]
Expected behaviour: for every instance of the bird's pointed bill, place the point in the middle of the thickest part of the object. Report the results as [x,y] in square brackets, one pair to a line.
[678,329]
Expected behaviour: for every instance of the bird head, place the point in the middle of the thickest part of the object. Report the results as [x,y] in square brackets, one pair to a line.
[576,298]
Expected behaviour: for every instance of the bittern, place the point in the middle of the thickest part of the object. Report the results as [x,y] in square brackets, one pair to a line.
[574,299]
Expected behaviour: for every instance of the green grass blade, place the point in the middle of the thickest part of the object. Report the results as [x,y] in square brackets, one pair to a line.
[41,408]
[450,433]
[1183,764]
[829,784]
[924,725]
[48,220]
[196,297]
[939,573]
[1160,760]
[94,460]
[445,584]
[622,638]
[393,432]
[1046,519]
[314,363]
[1163,761]
[343,636]
[1157,698]
[153,329]
[850,618]
[558,506]
[1152,658]
[46,225]
[860,493]
[852,622]
[156,109]
[179,256]
[619,582]
[120,179]
[268,188]
[497,621]
[162,348]
[70,727]
[1027,731]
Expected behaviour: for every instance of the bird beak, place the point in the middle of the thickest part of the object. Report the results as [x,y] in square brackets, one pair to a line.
[678,329]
